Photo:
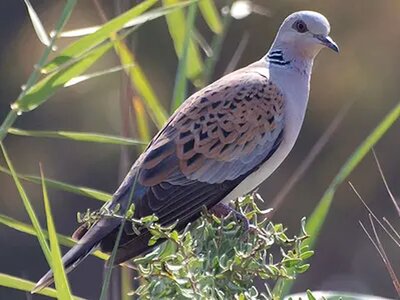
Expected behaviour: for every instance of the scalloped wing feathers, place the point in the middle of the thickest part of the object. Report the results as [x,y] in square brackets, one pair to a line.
[220,133]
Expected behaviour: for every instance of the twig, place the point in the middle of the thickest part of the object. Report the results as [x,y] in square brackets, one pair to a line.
[392,228]
[378,246]
[386,260]
[373,215]
[372,240]
[396,205]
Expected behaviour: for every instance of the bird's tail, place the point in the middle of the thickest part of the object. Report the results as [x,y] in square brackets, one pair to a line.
[70,260]
[86,245]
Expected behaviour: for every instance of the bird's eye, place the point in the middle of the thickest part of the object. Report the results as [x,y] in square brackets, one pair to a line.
[300,26]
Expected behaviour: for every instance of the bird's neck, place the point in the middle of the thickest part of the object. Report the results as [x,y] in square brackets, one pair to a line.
[285,58]
[292,73]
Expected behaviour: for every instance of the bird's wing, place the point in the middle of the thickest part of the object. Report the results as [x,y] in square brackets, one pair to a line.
[221,132]
[218,137]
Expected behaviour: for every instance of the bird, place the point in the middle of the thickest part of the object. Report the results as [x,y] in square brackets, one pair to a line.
[220,144]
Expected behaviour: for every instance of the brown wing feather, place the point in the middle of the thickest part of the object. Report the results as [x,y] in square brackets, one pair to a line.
[234,119]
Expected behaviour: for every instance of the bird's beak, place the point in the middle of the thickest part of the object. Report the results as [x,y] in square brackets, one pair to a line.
[327,42]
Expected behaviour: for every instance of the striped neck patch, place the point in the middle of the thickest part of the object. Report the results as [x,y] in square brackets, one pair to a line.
[276,57]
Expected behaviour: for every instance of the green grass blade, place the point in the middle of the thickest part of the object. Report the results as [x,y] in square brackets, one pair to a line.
[60,277]
[37,24]
[142,85]
[28,208]
[211,15]
[45,88]
[143,18]
[180,89]
[78,136]
[317,219]
[176,26]
[85,77]
[127,284]
[17,283]
[28,229]
[142,121]
[79,47]
[79,190]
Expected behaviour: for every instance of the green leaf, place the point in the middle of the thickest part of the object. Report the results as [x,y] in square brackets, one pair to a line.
[175,236]
[176,26]
[81,46]
[211,15]
[79,190]
[28,229]
[180,89]
[290,262]
[303,268]
[77,136]
[37,24]
[153,240]
[60,277]
[149,219]
[82,78]
[306,254]
[29,209]
[310,295]
[46,87]
[13,282]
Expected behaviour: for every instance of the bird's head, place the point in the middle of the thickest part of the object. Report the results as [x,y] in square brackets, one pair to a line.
[306,33]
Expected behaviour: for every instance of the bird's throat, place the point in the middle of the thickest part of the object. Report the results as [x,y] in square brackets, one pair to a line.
[283,58]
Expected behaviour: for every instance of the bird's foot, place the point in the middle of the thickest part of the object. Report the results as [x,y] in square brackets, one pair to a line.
[222,210]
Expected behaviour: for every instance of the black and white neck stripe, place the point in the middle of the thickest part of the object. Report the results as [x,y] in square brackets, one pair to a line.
[276,57]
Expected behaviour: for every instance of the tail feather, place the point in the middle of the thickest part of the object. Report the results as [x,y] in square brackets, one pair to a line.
[86,245]
[71,260]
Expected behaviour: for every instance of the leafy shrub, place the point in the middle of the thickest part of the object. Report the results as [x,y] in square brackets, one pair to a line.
[216,258]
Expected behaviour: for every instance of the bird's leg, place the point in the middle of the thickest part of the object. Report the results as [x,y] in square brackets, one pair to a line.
[222,210]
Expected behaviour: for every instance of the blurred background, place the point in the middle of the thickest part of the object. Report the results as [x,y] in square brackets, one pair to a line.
[366,72]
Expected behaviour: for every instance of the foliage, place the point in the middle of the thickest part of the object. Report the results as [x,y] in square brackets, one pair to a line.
[215,258]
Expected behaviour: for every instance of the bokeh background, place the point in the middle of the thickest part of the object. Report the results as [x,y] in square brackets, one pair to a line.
[366,72]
